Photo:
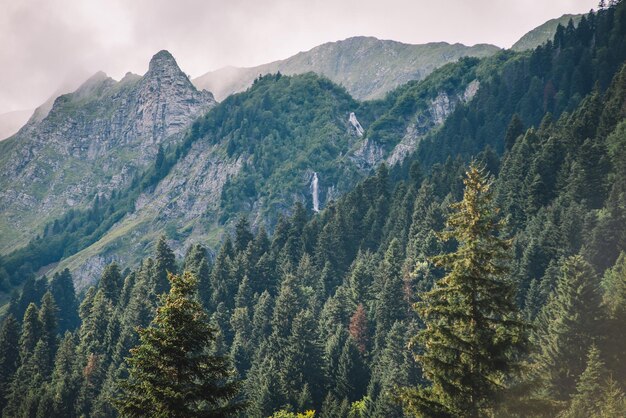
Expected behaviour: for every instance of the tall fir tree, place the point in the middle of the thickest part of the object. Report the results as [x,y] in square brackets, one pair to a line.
[48,318]
[164,263]
[31,332]
[172,372]
[9,355]
[473,333]
[64,294]
[567,326]
[111,282]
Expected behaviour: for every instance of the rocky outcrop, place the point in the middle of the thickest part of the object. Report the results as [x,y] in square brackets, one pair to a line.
[424,122]
[179,204]
[92,141]
[356,126]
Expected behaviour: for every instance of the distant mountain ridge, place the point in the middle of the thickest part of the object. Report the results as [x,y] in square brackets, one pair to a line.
[544,32]
[366,66]
[11,122]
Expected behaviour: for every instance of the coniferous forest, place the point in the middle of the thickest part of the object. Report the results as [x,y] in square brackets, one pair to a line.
[483,276]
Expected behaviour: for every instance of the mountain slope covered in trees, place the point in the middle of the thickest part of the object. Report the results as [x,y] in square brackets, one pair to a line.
[394,300]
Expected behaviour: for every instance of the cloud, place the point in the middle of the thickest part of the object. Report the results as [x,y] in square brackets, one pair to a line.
[49,44]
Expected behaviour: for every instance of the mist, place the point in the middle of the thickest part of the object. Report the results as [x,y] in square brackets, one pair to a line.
[47,46]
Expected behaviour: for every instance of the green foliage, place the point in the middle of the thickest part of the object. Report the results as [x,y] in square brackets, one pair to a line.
[568,325]
[316,316]
[171,372]
[473,334]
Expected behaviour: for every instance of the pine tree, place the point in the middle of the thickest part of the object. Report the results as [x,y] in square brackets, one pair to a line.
[165,263]
[613,401]
[352,374]
[9,355]
[391,305]
[473,332]
[568,325]
[31,332]
[358,328]
[48,319]
[301,365]
[586,402]
[394,367]
[197,263]
[64,382]
[243,236]
[515,129]
[92,351]
[614,302]
[171,372]
[64,294]
[111,282]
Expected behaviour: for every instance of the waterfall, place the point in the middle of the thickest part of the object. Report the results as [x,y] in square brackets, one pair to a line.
[314,188]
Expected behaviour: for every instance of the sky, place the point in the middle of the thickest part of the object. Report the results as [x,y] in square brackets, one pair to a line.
[48,46]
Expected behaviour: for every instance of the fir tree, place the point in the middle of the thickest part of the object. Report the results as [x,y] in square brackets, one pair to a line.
[473,332]
[586,401]
[172,372]
[515,129]
[31,332]
[197,263]
[243,236]
[165,263]
[568,325]
[9,355]
[48,320]
[111,282]
[64,294]
[64,382]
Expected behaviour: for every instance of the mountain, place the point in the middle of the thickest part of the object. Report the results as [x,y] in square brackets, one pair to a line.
[11,122]
[487,263]
[544,32]
[257,152]
[367,67]
[91,142]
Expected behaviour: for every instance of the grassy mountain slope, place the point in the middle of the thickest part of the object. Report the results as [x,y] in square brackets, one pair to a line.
[367,67]
[543,33]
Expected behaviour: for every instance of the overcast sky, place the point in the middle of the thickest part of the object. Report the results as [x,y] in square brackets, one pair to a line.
[48,44]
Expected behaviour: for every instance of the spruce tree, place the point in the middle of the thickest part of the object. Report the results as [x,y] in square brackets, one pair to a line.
[196,262]
[586,400]
[64,294]
[9,355]
[567,326]
[48,314]
[165,263]
[515,129]
[172,372]
[31,332]
[243,236]
[473,332]
[111,282]
[64,382]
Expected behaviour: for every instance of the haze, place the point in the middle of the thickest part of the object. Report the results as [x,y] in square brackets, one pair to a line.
[47,45]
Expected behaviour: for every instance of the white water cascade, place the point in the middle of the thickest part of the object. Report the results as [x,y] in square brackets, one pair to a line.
[315,190]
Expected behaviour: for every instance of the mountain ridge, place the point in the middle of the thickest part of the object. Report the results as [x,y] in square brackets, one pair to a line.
[366,66]
[93,140]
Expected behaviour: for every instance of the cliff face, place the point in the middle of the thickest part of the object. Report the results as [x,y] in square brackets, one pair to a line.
[92,141]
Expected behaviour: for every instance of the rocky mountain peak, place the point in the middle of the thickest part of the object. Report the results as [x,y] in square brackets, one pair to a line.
[94,83]
[164,63]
